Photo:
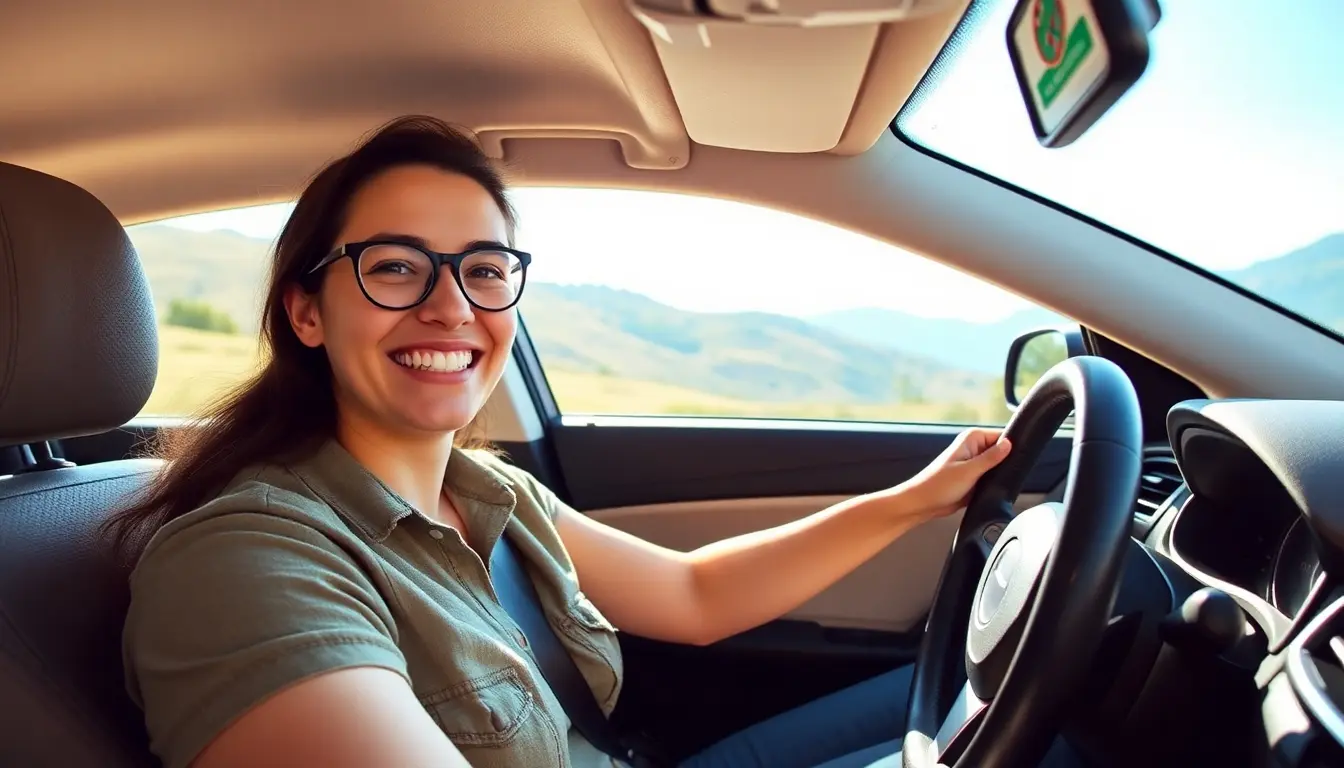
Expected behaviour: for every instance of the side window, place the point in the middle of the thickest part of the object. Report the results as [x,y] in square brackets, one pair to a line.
[644,303]
[207,273]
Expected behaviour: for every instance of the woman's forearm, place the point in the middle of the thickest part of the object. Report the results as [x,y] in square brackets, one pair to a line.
[730,586]
[750,579]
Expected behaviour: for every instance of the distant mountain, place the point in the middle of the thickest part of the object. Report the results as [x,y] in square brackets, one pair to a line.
[1309,281]
[749,355]
[979,347]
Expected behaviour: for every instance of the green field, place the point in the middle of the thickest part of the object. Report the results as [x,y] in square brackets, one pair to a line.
[196,366]
[589,393]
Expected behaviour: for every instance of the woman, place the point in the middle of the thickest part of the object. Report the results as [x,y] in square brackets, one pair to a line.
[315,592]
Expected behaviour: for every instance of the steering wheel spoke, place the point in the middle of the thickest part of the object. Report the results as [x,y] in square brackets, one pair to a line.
[985,535]
[960,726]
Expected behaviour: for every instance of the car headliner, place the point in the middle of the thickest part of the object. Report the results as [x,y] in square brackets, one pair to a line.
[165,107]
[161,106]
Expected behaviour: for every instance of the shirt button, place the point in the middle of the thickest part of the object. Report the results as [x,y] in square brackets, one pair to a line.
[435,533]
[522,639]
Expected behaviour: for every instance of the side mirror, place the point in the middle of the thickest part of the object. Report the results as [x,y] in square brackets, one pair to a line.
[1032,354]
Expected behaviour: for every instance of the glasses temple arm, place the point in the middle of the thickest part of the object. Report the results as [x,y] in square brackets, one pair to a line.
[329,258]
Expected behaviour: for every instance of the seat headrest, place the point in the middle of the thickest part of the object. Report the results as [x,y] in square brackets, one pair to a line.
[78,345]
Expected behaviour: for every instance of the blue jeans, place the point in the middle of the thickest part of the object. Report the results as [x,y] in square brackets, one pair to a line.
[851,728]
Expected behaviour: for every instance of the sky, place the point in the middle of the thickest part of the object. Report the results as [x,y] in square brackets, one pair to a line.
[1226,152]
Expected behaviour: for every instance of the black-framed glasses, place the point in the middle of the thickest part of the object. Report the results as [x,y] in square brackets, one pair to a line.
[399,275]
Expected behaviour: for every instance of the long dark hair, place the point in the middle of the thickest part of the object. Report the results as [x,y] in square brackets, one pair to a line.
[288,408]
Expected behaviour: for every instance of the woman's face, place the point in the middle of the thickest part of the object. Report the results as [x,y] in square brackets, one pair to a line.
[374,351]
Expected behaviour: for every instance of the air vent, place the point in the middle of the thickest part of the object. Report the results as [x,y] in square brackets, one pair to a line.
[1158,480]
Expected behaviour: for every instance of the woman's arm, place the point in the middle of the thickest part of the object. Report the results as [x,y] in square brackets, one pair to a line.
[254,639]
[348,718]
[730,586]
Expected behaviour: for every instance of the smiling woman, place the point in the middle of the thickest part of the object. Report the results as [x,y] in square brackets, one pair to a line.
[329,538]
[336,407]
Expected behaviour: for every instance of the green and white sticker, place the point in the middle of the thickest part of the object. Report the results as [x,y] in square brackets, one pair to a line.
[1063,56]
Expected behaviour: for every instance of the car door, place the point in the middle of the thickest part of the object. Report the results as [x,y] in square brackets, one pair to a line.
[703,368]
[687,369]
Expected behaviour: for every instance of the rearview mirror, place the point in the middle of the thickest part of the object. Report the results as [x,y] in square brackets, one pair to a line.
[1032,354]
[1075,58]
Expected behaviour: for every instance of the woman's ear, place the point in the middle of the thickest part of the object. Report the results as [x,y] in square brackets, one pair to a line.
[305,316]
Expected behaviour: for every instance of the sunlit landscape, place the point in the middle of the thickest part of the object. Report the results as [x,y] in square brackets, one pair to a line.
[610,350]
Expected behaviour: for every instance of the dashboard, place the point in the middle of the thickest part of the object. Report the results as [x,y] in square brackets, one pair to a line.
[1260,518]
[1266,549]
[1253,544]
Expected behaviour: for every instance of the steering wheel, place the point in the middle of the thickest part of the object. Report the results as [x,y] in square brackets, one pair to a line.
[1031,594]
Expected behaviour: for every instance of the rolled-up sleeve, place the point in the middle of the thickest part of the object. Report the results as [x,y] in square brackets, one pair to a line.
[228,610]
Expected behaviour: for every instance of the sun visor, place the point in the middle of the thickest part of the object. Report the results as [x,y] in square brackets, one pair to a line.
[770,75]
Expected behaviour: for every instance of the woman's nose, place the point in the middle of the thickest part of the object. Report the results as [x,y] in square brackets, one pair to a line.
[446,303]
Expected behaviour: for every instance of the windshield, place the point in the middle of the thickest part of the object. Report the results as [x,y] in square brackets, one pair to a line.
[1228,153]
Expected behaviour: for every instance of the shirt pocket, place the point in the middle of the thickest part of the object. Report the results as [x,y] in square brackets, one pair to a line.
[487,711]
[594,645]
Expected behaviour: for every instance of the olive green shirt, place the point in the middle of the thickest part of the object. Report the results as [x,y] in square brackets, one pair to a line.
[304,569]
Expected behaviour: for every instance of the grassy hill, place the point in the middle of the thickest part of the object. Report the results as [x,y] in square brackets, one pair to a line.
[613,351]
[598,393]
[745,356]
[605,350]
[197,366]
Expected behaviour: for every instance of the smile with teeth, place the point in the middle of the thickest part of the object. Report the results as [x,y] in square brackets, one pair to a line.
[434,360]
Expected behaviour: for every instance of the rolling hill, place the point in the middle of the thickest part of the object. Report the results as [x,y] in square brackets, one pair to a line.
[594,339]
[613,351]
[603,332]
[746,355]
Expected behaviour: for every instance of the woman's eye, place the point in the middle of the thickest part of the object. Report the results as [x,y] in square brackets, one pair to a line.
[484,273]
[392,267]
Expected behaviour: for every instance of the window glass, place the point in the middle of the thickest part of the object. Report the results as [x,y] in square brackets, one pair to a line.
[207,286]
[643,303]
[1226,153]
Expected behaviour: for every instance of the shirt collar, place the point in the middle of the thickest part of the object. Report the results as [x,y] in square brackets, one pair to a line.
[354,492]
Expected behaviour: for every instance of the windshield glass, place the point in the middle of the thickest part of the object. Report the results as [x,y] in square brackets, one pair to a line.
[1228,153]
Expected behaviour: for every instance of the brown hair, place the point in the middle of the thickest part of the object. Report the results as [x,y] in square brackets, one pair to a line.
[288,409]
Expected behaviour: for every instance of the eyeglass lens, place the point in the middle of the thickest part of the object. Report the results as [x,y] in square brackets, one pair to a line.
[398,276]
